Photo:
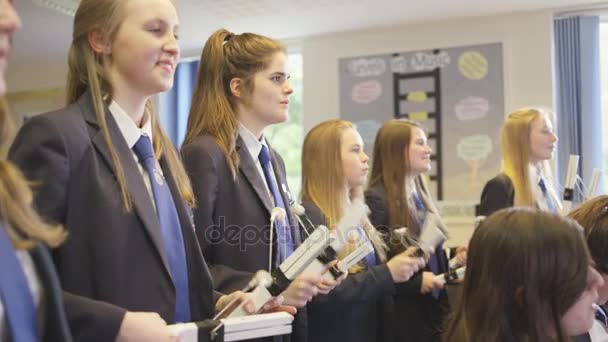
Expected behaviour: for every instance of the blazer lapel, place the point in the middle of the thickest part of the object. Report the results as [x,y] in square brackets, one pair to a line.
[250,171]
[140,196]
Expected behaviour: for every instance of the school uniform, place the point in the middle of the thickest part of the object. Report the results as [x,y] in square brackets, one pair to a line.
[599,329]
[359,309]
[417,317]
[232,216]
[42,285]
[113,260]
[498,193]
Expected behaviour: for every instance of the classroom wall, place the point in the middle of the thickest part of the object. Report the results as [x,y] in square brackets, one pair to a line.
[528,72]
[527,45]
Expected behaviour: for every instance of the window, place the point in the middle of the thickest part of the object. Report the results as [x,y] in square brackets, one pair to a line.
[287,138]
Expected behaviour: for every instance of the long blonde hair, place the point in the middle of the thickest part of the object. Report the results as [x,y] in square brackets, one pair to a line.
[214,108]
[22,223]
[87,72]
[323,181]
[516,150]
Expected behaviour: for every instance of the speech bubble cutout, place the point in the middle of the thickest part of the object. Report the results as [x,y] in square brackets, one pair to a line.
[471,108]
[366,92]
[368,130]
[367,67]
[474,147]
[473,65]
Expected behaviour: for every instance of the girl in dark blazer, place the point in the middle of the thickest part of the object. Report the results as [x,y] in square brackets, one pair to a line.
[528,142]
[334,172]
[108,173]
[242,87]
[521,286]
[24,237]
[31,301]
[398,197]
[30,238]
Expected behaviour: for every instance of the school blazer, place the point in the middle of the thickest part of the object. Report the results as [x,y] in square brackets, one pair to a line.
[232,215]
[359,309]
[498,193]
[55,323]
[112,258]
[417,317]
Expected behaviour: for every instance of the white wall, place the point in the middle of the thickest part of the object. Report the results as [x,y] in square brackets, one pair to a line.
[528,72]
[527,47]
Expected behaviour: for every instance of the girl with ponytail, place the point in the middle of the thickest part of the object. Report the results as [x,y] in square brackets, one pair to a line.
[242,87]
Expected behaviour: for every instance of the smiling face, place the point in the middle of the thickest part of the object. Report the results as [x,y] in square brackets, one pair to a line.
[144,53]
[542,139]
[354,159]
[9,23]
[418,153]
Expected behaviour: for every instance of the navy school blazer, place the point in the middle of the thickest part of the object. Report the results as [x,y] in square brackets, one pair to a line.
[498,193]
[417,317]
[232,215]
[113,260]
[359,310]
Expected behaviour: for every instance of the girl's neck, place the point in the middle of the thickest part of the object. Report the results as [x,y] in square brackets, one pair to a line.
[536,168]
[254,125]
[134,106]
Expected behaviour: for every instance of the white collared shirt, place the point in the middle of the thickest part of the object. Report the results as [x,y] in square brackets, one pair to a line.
[254,146]
[131,133]
[537,193]
[598,332]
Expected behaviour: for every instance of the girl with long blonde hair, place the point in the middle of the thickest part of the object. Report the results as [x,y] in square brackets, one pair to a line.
[334,174]
[528,142]
[105,169]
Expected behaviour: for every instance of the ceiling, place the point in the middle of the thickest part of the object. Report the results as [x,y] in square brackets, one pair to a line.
[44,39]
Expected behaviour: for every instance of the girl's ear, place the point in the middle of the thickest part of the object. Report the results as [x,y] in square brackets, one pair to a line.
[98,43]
[236,87]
